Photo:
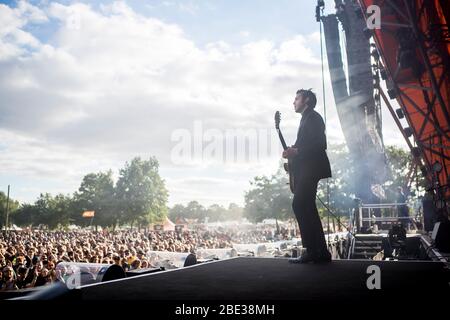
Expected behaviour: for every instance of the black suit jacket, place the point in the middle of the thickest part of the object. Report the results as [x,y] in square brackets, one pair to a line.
[311,143]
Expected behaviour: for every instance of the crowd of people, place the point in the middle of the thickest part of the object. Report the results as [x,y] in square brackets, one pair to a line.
[30,258]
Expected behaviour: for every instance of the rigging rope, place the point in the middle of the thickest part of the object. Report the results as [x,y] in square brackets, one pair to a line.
[325,119]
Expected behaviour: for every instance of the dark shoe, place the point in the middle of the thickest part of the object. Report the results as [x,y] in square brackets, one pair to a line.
[304,258]
[324,257]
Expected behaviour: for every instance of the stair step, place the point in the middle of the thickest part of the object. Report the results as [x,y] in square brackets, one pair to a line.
[369,253]
[362,256]
[371,248]
[368,241]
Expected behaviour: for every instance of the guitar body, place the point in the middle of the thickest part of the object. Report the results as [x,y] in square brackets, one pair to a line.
[287,166]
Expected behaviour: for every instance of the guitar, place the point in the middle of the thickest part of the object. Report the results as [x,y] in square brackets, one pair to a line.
[287,166]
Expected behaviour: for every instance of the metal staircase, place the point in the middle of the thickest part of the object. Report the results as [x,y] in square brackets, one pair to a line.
[366,246]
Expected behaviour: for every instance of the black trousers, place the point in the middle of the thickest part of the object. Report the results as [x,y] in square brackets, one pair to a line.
[305,210]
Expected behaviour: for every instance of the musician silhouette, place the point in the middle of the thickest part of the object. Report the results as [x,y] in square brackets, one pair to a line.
[309,164]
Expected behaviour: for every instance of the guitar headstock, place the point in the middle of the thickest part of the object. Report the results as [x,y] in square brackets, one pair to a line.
[277,119]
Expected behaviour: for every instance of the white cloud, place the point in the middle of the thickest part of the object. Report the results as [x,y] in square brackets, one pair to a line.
[190,7]
[296,49]
[14,41]
[244,33]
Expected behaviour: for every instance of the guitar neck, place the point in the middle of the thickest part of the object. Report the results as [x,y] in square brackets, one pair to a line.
[283,143]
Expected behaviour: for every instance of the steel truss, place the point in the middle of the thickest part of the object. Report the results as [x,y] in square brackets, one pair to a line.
[418,76]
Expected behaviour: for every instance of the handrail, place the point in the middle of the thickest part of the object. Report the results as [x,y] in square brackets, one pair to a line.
[370,206]
[376,219]
[352,246]
[383,205]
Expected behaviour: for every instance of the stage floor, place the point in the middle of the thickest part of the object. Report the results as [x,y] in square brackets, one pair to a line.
[247,278]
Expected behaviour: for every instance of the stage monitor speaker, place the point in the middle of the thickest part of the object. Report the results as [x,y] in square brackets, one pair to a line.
[191,260]
[429,213]
[441,236]
[114,272]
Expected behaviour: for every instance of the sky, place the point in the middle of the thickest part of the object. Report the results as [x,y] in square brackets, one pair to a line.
[87,85]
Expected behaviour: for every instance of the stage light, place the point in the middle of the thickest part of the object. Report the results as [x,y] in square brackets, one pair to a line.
[440,204]
[416,153]
[424,172]
[406,59]
[358,12]
[400,113]
[437,167]
[375,80]
[392,93]
[320,5]
[317,14]
[374,53]
[408,131]
[367,32]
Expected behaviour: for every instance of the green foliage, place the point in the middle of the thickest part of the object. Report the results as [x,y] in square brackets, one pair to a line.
[25,215]
[47,210]
[177,212]
[13,205]
[269,198]
[141,193]
[234,212]
[338,191]
[96,193]
[138,197]
[194,210]
[400,162]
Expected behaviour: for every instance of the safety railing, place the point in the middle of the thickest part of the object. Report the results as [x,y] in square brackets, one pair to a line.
[366,214]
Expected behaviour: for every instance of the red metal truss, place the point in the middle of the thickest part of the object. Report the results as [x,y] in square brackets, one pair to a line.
[413,42]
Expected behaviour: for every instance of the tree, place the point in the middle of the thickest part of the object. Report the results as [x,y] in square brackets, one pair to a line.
[47,210]
[195,210]
[400,162]
[141,193]
[13,206]
[216,212]
[341,186]
[269,198]
[44,210]
[178,211]
[25,215]
[96,193]
[61,210]
[235,212]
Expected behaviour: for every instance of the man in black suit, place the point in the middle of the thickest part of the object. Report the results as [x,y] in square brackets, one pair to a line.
[309,164]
